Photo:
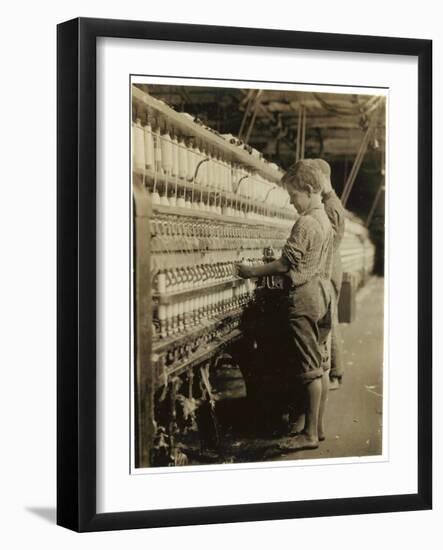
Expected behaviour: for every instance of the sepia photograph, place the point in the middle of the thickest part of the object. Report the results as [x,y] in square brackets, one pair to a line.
[244,274]
[257,272]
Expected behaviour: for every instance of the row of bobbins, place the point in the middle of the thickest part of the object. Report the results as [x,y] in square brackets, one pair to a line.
[183,315]
[175,233]
[197,276]
[222,187]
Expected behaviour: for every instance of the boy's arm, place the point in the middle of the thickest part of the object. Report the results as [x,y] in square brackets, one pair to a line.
[293,251]
[335,212]
[276,267]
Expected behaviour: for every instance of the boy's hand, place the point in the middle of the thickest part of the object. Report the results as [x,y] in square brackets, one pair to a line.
[244,271]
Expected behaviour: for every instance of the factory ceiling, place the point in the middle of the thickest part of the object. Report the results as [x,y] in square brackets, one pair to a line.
[285,125]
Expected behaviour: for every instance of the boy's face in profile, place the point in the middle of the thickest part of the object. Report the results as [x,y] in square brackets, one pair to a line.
[301,200]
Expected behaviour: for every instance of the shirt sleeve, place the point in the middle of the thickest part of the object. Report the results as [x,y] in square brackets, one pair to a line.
[298,243]
[336,213]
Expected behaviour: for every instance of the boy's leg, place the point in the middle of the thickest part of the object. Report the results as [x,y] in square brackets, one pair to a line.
[308,338]
[314,389]
[316,398]
[323,402]
[326,344]
[308,438]
[304,353]
[337,370]
[298,424]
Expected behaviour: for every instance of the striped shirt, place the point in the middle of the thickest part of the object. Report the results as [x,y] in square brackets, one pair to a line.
[308,251]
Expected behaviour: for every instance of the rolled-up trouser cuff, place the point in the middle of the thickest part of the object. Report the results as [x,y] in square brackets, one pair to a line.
[336,373]
[311,375]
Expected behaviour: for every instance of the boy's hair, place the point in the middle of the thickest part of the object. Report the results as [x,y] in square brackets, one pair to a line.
[322,165]
[301,175]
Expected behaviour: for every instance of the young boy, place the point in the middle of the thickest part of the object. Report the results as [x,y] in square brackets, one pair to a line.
[306,262]
[336,214]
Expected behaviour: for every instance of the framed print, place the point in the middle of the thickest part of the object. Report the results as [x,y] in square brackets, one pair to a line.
[244,274]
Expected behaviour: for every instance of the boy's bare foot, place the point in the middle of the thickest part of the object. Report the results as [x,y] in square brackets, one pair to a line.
[300,442]
[296,425]
[294,429]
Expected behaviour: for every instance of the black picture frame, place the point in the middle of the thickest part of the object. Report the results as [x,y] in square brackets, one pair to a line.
[76,273]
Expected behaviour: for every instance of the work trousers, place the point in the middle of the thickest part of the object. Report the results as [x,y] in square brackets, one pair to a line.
[309,323]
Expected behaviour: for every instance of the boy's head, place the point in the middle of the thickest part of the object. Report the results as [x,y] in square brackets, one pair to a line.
[303,181]
[325,171]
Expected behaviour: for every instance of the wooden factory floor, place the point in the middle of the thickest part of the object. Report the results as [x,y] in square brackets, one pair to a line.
[354,413]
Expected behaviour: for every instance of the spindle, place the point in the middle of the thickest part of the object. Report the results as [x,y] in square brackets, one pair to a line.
[138,145]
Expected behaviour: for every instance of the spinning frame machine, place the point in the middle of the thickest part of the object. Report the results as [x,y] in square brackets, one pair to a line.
[202,202]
